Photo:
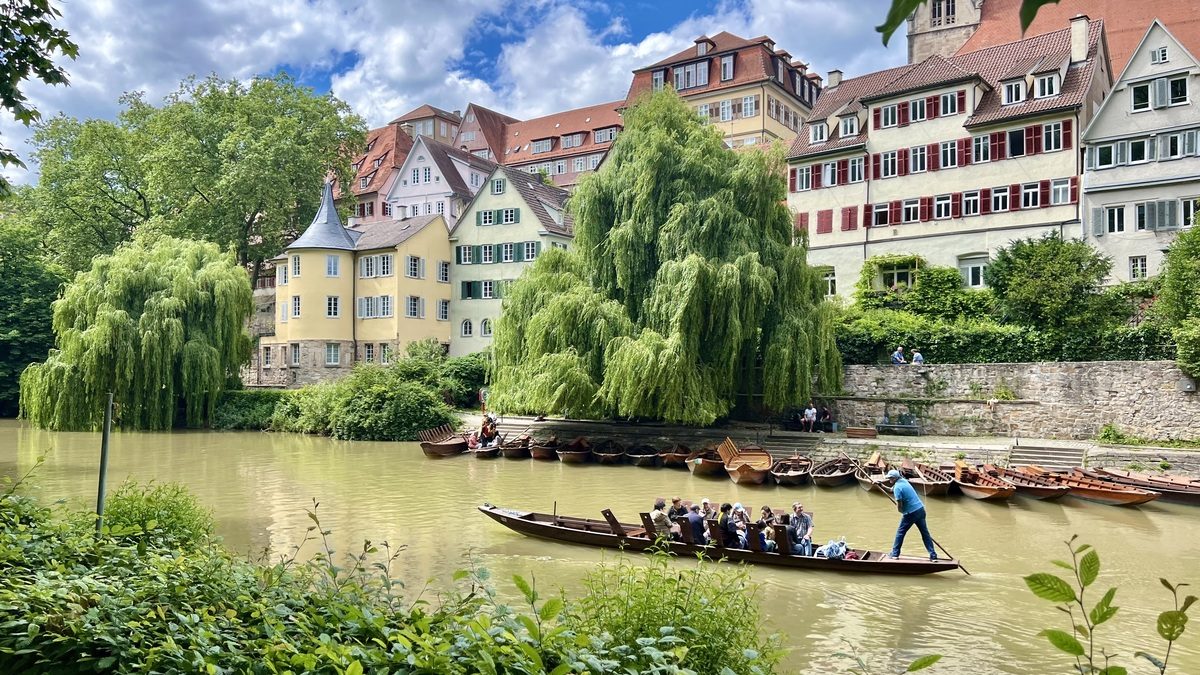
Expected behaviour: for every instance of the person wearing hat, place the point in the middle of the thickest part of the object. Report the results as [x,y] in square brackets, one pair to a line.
[662,524]
[912,512]
[677,509]
[696,522]
[707,510]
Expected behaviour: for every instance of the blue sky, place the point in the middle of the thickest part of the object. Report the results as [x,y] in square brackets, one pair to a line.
[384,57]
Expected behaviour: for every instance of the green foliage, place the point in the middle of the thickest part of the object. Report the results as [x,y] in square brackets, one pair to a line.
[900,10]
[1179,299]
[1187,341]
[160,323]
[683,281]
[28,286]
[247,408]
[1111,433]
[939,293]
[868,294]
[167,512]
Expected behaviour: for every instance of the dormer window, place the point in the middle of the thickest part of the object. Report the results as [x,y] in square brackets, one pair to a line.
[849,126]
[364,182]
[818,132]
[656,80]
[1159,55]
[701,48]
[543,145]
[691,75]
[1047,86]
[727,68]
[1014,92]
[572,141]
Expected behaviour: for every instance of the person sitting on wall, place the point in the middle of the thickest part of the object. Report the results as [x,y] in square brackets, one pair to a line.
[898,356]
[917,359]
[810,418]
[825,419]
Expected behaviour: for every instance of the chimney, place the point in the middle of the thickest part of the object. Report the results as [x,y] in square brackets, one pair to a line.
[1079,38]
[835,78]
[458,114]
[407,128]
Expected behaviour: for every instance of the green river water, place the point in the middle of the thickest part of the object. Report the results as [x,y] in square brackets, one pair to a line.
[259,485]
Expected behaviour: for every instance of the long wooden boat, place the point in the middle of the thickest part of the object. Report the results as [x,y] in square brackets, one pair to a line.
[577,451]
[872,472]
[1027,485]
[1178,489]
[833,472]
[979,485]
[1094,490]
[442,441]
[610,533]
[750,464]
[794,470]
[675,455]
[488,452]
[517,448]
[926,479]
[546,450]
[608,451]
[705,462]
[642,455]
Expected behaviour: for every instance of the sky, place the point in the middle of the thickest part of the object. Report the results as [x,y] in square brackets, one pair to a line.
[525,58]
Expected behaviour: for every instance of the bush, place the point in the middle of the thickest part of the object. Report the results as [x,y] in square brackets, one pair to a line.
[462,377]
[167,512]
[247,408]
[1187,337]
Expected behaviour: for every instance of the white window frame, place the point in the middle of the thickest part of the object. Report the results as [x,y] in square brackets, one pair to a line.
[467,255]
[332,265]
[918,159]
[369,352]
[914,106]
[949,155]
[605,135]
[726,110]
[1133,102]
[910,211]
[727,67]
[497,186]
[1060,191]
[1000,199]
[1145,145]
[829,174]
[508,216]
[530,251]
[1137,266]
[541,145]
[804,178]
[412,307]
[971,268]
[818,133]
[857,172]
[333,307]
[889,116]
[487,290]
[1187,93]
[970,203]
[830,279]
[487,254]
[949,104]
[443,271]
[941,207]
[849,126]
[412,267]
[1112,147]
[886,159]
[1159,55]
[1052,130]
[294,350]
[488,217]
[1189,211]
[281,274]
[1014,92]
[878,210]
[657,80]
[466,329]
[1114,219]
[485,328]
[443,310]
[981,149]
[1046,86]
[295,266]
[266,357]
[1031,195]
[749,107]
[333,354]
[295,307]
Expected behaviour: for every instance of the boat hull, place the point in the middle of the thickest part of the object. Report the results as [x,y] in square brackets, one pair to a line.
[650,461]
[519,452]
[574,456]
[1092,490]
[706,467]
[833,479]
[790,478]
[747,475]
[543,452]
[985,492]
[608,457]
[444,448]
[1175,491]
[486,453]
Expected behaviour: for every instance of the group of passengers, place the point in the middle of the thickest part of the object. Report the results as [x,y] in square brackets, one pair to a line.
[733,525]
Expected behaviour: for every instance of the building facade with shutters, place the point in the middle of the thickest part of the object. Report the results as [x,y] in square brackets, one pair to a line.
[949,159]
[436,179]
[511,221]
[1142,178]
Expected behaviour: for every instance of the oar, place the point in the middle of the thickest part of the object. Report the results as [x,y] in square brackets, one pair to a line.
[858,469]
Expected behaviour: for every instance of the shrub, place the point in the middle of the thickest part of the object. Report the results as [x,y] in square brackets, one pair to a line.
[247,408]
[938,293]
[462,377]
[167,512]
[1187,337]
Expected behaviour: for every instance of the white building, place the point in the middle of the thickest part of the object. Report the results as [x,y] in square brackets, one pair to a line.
[436,179]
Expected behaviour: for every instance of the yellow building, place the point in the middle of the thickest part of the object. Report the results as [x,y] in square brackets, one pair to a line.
[354,294]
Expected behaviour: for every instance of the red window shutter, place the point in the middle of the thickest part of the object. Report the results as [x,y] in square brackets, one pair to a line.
[926,209]
[792,179]
[902,114]
[1074,188]
[931,107]
[962,100]
[1014,197]
[816,176]
[846,217]
[1066,135]
[875,166]
[964,151]
[875,115]
[985,200]
[853,217]
[1044,194]
[803,222]
[894,212]
[902,161]
[868,215]
[956,205]
[1030,140]
[825,221]
[843,171]
[932,159]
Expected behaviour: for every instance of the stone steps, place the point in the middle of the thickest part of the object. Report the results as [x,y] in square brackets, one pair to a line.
[1047,457]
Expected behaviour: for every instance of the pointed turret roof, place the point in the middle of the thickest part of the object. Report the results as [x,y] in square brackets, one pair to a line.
[326,230]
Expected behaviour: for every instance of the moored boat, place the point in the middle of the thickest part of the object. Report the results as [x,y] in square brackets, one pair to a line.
[577,451]
[610,533]
[487,452]
[642,455]
[705,462]
[833,472]
[608,451]
[750,465]
[547,449]
[979,485]
[1094,490]
[872,472]
[1178,489]
[1027,485]
[675,455]
[518,448]
[926,480]
[442,441]
[794,470]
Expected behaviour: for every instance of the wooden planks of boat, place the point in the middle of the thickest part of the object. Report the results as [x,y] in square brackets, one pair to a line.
[705,462]
[794,470]
[642,455]
[1027,485]
[546,450]
[442,442]
[833,472]
[517,448]
[608,451]
[979,485]
[926,480]
[750,464]
[1094,490]
[489,452]
[611,533]
[675,455]
[577,451]
[1177,489]
[873,472]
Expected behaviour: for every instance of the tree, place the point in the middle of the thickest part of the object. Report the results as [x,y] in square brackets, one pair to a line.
[160,323]
[1052,284]
[28,42]
[1179,295]
[28,285]
[683,290]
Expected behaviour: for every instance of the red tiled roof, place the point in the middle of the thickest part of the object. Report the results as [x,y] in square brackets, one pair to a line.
[424,111]
[722,42]
[389,145]
[932,72]
[488,127]
[444,155]
[1125,22]
[516,147]
[844,96]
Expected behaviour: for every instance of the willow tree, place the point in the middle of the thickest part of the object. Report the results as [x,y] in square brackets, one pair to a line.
[684,290]
[160,323]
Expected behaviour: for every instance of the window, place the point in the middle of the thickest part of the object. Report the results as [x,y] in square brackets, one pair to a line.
[498,186]
[1191,211]
[1137,267]
[572,141]
[333,354]
[332,308]
[749,106]
[916,110]
[506,253]
[896,276]
[485,328]
[440,208]
[1016,143]
[413,266]
[489,290]
[1046,86]
[1114,218]
[443,271]
[531,251]
[1106,156]
[1000,199]
[949,104]
[331,265]
[281,274]
[1143,215]
[981,150]
[266,357]
[428,208]
[560,167]
[363,182]
[916,159]
[465,254]
[941,207]
[888,116]
[856,170]
[1060,191]
[656,80]
[849,126]
[541,146]
[1029,196]
[691,75]
[412,307]
[1172,147]
[467,330]
[829,174]
[385,353]
[369,352]
[818,132]
[727,68]
[970,203]
[879,215]
[594,160]
[1140,94]
[1138,151]
[1179,92]
[605,135]
[726,110]
[911,211]
[1014,92]
[487,217]
[580,164]
[387,208]
[1052,137]
[295,348]
[443,310]
[887,164]
[804,178]
[830,280]
[295,306]
[508,216]
[949,158]
[1159,55]
[295,265]
[971,268]
[485,254]
[414,210]
[426,175]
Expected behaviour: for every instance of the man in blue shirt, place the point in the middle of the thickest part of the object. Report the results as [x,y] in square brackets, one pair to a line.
[912,512]
[898,356]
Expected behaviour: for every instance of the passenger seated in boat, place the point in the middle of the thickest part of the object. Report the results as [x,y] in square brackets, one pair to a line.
[728,525]
[662,524]
[739,514]
[696,522]
[800,530]
[767,520]
[707,510]
[677,509]
[487,433]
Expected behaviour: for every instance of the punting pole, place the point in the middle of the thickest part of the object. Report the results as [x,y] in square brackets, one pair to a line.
[108,407]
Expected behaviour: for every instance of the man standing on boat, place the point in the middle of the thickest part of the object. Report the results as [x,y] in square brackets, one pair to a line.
[912,512]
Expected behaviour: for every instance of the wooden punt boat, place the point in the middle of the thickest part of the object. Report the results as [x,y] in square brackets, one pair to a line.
[608,451]
[489,452]
[442,441]
[750,465]
[872,472]
[675,455]
[979,485]
[705,462]
[1178,489]
[642,455]
[1094,490]
[833,472]
[1027,485]
[577,451]
[794,470]
[926,480]
[517,448]
[610,533]
[547,449]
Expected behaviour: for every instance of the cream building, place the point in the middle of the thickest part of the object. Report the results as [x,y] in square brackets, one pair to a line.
[948,159]
[503,230]
[347,295]
[1142,179]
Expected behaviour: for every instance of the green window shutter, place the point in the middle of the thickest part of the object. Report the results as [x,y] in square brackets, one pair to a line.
[476,289]
[517,215]
[1097,222]
[537,248]
[457,255]
[498,252]
[498,216]
[479,217]
[477,254]
[498,289]
[466,290]
[518,251]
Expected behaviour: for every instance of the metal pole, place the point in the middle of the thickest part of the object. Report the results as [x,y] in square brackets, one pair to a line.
[103,463]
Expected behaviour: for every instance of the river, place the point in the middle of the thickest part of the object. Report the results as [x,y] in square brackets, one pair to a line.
[259,486]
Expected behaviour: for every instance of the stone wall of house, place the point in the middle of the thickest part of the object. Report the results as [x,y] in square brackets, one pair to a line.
[1048,400]
[311,369]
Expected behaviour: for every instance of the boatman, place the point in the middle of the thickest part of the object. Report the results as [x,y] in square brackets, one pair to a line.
[912,512]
